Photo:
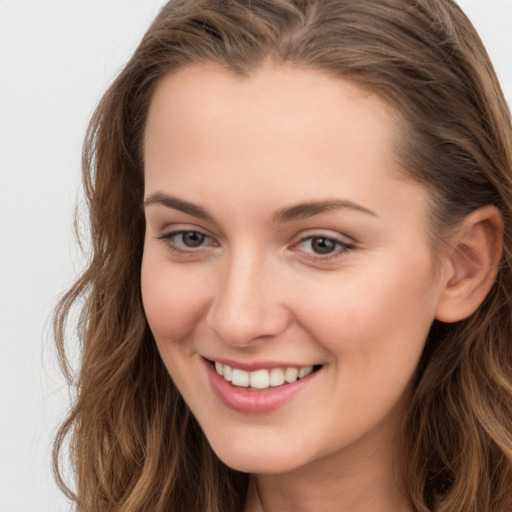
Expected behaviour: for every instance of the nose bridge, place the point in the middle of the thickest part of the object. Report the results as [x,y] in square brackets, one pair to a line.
[248,304]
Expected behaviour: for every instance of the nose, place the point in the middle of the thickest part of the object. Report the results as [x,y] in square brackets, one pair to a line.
[248,305]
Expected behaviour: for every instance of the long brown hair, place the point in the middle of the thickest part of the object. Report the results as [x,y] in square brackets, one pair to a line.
[133,443]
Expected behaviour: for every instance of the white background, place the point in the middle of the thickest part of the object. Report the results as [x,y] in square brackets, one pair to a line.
[56,58]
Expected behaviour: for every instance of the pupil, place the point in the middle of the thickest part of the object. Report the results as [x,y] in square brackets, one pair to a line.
[193,238]
[323,245]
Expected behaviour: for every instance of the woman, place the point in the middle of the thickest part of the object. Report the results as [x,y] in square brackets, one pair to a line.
[299,291]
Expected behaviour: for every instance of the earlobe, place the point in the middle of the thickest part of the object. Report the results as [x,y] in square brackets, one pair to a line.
[472,264]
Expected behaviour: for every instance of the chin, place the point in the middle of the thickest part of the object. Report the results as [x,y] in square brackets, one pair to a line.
[257,464]
[256,458]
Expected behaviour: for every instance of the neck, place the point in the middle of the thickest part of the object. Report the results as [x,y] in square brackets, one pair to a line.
[325,493]
[356,479]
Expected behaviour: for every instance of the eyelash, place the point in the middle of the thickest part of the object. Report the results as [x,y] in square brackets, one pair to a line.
[341,247]
[169,240]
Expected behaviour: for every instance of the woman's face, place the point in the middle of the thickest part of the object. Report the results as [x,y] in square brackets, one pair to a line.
[282,241]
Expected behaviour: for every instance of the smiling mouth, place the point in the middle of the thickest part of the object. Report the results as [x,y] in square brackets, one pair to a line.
[262,379]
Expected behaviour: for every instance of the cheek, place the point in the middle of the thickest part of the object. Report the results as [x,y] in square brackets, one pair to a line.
[370,316]
[172,300]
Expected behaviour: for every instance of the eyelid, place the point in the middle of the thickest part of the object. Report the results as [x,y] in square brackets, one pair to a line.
[345,244]
[327,233]
[173,229]
[168,235]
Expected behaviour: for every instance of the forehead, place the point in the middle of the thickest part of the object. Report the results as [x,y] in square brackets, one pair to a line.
[275,105]
[280,135]
[274,97]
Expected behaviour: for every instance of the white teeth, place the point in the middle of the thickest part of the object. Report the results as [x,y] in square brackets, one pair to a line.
[228,373]
[262,379]
[291,374]
[305,370]
[276,377]
[259,379]
[240,378]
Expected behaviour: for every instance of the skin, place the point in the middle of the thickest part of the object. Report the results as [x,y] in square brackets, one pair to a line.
[242,149]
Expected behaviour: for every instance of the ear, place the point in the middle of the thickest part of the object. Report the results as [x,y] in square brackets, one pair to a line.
[472,264]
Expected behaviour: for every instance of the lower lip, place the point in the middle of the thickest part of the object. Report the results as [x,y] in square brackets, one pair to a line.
[255,402]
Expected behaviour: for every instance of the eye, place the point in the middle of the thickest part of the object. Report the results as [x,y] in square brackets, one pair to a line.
[319,245]
[323,247]
[186,241]
[190,238]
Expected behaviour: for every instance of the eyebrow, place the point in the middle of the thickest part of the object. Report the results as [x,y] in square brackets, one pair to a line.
[291,213]
[177,204]
[310,209]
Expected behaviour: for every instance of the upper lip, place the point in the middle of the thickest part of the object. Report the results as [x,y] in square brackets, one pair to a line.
[257,365]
